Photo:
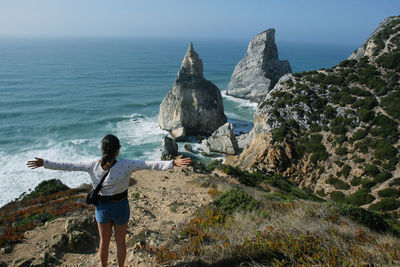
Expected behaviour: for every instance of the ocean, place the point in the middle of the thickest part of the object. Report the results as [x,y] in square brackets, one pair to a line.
[59,97]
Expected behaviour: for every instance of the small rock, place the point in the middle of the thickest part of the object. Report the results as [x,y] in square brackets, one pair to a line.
[169,148]
[188,148]
[6,249]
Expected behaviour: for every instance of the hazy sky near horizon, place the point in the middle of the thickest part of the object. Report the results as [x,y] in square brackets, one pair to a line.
[321,21]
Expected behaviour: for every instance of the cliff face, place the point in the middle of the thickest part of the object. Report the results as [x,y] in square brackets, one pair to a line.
[194,105]
[336,131]
[259,70]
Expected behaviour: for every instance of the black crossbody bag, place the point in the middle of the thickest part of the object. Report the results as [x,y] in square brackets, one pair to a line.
[93,196]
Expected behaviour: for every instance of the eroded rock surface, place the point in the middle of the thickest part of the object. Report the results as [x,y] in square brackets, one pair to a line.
[259,70]
[194,105]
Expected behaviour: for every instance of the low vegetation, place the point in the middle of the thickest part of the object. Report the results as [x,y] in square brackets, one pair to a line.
[50,200]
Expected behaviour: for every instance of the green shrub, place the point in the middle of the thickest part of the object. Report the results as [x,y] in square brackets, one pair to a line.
[340,139]
[321,192]
[359,92]
[339,163]
[278,196]
[382,177]
[348,63]
[391,164]
[236,199]
[377,162]
[367,103]
[362,146]
[346,171]
[370,219]
[318,150]
[385,150]
[215,164]
[389,61]
[396,181]
[389,192]
[337,183]
[279,134]
[367,184]
[346,98]
[337,196]
[47,187]
[371,170]
[359,134]
[341,151]
[386,204]
[391,104]
[358,160]
[387,125]
[365,115]
[352,77]
[355,181]
[329,112]
[359,198]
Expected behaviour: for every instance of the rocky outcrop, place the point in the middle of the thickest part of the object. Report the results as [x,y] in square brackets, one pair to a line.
[169,148]
[222,140]
[194,105]
[371,45]
[259,70]
[330,129]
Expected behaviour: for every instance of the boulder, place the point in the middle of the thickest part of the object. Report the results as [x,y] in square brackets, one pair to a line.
[169,148]
[259,70]
[194,105]
[188,148]
[222,140]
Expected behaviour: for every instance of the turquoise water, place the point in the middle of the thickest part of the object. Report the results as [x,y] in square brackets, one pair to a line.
[59,97]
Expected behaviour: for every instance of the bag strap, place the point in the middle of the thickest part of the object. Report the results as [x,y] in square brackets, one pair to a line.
[100,185]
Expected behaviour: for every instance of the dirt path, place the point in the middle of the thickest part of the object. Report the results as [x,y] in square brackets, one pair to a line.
[159,202]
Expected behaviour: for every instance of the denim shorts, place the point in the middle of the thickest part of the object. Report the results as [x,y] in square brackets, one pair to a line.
[116,212]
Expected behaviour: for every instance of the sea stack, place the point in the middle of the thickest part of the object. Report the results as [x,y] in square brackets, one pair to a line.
[194,105]
[259,70]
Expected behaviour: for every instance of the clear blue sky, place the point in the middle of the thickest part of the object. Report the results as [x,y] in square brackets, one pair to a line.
[333,21]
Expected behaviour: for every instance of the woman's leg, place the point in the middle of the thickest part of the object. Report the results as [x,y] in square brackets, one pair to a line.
[120,234]
[105,231]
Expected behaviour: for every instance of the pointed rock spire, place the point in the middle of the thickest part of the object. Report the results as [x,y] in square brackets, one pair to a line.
[194,105]
[192,65]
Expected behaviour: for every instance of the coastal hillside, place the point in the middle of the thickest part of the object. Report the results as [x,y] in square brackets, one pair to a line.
[335,131]
[185,217]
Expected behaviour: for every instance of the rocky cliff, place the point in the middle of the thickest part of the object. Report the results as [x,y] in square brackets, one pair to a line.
[336,131]
[194,105]
[259,70]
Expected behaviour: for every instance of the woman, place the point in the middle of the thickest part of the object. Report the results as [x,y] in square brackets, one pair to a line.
[113,209]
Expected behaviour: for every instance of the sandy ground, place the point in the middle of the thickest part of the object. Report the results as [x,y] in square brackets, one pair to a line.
[159,202]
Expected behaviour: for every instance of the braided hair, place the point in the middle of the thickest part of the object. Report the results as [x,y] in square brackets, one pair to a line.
[109,146]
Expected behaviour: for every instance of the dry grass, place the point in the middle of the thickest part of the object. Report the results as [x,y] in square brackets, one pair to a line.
[280,233]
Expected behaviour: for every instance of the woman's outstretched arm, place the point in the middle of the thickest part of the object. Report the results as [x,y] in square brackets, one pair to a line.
[64,166]
[135,165]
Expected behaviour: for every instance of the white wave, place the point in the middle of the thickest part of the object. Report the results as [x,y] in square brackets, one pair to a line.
[16,177]
[139,130]
[241,102]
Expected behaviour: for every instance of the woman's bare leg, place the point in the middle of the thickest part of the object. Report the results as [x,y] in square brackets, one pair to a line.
[105,231]
[120,234]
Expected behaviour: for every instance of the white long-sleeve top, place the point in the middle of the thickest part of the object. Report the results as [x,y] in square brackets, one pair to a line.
[117,181]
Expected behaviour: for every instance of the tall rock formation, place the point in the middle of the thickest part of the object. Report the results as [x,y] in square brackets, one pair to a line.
[194,105]
[336,131]
[259,70]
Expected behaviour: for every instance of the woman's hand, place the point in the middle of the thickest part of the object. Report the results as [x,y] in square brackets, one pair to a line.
[33,164]
[181,162]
